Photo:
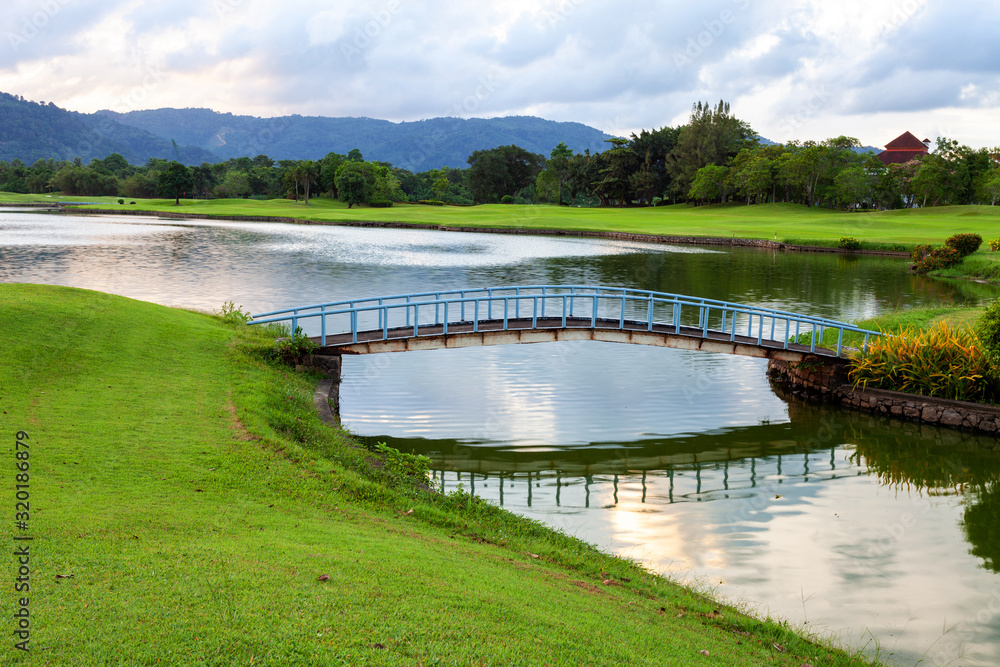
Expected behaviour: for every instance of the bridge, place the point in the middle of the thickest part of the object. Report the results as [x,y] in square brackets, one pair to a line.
[549,313]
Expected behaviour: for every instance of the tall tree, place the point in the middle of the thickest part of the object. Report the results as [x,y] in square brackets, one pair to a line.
[652,149]
[712,136]
[356,182]
[558,166]
[328,172]
[709,184]
[505,170]
[174,181]
[614,185]
[307,172]
[854,186]
[203,178]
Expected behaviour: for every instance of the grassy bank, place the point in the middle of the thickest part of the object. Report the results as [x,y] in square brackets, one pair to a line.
[983,266]
[914,318]
[188,507]
[790,223]
[923,318]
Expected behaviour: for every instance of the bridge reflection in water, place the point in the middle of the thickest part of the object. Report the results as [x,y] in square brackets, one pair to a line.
[755,471]
[692,468]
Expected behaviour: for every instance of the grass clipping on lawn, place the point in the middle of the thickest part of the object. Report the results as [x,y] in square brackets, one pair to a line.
[188,507]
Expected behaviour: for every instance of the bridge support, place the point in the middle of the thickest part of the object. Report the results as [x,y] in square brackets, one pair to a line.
[329,365]
[813,376]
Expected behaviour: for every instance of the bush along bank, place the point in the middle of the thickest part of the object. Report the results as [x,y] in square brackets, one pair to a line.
[956,248]
[936,373]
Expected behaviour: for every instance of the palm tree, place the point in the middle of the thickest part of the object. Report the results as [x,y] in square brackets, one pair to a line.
[306,172]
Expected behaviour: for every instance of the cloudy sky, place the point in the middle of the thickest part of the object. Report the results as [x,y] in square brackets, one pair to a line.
[794,69]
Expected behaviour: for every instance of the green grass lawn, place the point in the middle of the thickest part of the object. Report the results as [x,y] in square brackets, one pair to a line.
[924,318]
[892,321]
[188,507]
[983,266]
[783,222]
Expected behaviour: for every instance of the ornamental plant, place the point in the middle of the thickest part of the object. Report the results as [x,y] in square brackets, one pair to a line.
[965,244]
[849,243]
[939,258]
[921,251]
[941,361]
[995,245]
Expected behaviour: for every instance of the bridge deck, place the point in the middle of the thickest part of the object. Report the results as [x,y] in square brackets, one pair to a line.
[341,343]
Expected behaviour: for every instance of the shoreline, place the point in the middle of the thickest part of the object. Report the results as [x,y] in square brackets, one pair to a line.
[609,235]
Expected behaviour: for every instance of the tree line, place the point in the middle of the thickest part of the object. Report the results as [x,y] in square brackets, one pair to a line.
[714,158]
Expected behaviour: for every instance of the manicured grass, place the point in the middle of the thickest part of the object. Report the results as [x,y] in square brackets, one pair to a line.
[914,318]
[782,222]
[983,265]
[196,511]
[923,318]
[920,319]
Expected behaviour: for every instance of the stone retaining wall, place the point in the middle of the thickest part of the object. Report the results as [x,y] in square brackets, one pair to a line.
[826,380]
[939,411]
[813,377]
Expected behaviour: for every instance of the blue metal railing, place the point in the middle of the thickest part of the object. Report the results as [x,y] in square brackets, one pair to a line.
[605,307]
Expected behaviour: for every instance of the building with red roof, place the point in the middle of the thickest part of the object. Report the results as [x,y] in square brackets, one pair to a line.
[904,148]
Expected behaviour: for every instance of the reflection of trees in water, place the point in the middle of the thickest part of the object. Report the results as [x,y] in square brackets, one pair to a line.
[961,464]
[982,525]
[916,456]
[934,460]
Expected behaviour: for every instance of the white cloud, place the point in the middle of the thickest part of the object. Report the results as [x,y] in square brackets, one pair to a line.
[801,69]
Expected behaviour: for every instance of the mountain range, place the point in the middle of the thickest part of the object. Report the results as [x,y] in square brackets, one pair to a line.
[31,131]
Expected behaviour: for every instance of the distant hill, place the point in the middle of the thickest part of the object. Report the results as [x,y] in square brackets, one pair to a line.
[31,131]
[857,149]
[417,146]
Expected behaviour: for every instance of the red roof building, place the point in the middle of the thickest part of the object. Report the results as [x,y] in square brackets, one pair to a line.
[904,148]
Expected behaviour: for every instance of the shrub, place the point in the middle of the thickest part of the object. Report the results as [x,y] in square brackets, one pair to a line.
[939,258]
[965,244]
[940,361]
[397,469]
[507,199]
[849,243]
[121,201]
[431,202]
[380,203]
[921,251]
[299,345]
[988,332]
[233,314]
[994,245]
